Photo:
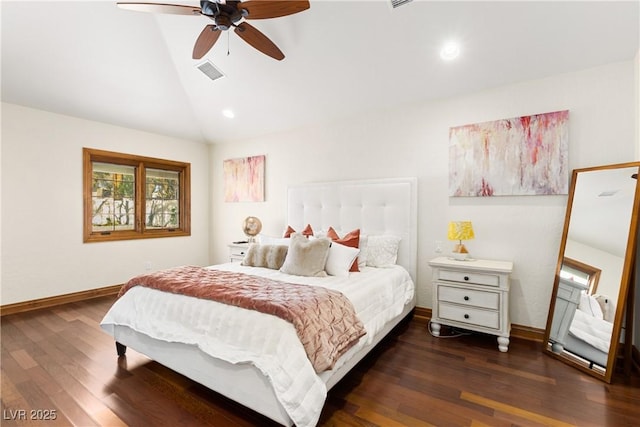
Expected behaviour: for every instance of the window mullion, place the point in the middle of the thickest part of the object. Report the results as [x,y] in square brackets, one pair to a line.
[140,198]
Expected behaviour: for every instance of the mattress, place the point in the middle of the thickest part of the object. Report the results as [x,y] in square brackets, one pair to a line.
[240,336]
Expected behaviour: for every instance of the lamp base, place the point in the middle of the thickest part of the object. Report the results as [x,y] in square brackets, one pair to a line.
[460,253]
[459,248]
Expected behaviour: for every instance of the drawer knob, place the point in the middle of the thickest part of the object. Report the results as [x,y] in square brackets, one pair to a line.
[466,278]
[466,298]
[241,253]
[466,316]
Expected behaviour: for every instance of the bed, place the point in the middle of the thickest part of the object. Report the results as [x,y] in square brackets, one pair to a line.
[589,338]
[266,369]
[587,331]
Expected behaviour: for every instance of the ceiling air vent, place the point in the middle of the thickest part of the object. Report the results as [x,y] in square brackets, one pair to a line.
[398,3]
[210,70]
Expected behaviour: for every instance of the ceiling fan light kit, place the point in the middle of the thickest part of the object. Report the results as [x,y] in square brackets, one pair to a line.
[226,15]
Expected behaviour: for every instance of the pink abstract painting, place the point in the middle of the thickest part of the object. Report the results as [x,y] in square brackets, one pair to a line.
[510,157]
[244,179]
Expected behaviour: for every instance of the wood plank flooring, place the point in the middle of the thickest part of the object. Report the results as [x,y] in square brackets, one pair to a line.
[57,363]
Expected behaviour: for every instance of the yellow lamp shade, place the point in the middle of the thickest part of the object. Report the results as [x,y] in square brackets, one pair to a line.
[460,230]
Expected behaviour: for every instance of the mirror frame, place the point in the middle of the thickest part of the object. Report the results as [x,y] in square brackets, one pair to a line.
[627,278]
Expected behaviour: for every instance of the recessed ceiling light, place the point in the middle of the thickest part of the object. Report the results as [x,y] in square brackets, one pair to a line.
[228,113]
[450,51]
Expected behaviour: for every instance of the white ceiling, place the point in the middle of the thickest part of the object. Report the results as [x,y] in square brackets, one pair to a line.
[92,60]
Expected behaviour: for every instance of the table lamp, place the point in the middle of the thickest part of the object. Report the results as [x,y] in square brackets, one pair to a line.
[460,230]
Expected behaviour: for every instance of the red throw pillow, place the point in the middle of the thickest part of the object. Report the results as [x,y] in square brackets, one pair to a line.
[308,231]
[351,239]
[288,232]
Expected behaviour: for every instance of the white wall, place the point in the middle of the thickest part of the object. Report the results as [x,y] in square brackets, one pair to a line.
[413,141]
[42,250]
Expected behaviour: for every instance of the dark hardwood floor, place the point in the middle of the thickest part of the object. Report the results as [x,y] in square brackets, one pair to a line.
[57,363]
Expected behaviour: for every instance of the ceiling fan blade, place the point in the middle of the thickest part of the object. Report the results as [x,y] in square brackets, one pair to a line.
[264,9]
[174,9]
[259,41]
[207,38]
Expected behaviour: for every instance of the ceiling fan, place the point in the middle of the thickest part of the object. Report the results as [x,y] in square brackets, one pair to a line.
[227,14]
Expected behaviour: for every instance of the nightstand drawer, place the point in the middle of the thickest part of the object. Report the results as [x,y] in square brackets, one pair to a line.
[468,277]
[470,297]
[238,252]
[470,315]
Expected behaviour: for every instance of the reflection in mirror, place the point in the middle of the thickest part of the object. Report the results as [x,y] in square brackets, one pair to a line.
[577,271]
[594,268]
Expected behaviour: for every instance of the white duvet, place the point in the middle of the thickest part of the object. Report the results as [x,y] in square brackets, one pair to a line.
[237,335]
[596,332]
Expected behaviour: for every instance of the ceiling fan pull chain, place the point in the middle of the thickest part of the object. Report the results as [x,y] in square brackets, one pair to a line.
[228,43]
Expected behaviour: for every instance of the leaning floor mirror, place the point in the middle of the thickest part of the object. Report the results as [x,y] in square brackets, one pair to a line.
[595,269]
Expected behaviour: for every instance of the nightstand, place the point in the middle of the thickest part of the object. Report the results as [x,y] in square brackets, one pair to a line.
[472,295]
[237,251]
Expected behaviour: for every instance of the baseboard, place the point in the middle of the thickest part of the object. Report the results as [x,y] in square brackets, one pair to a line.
[422,312]
[635,358]
[517,331]
[527,333]
[20,307]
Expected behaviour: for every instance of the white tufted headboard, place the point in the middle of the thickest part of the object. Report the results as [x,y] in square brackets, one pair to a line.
[381,206]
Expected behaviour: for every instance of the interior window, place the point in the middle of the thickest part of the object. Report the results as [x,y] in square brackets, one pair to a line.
[134,197]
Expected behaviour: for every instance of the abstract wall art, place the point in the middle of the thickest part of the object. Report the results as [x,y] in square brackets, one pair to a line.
[244,179]
[520,156]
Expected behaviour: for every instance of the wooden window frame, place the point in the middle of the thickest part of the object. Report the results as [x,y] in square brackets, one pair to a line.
[141,163]
[592,273]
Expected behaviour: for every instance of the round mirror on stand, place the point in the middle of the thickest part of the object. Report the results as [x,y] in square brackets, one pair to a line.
[251,226]
[595,269]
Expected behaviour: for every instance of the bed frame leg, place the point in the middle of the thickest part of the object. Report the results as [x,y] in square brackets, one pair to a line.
[120,349]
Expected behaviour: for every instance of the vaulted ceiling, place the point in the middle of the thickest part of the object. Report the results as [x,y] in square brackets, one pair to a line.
[93,60]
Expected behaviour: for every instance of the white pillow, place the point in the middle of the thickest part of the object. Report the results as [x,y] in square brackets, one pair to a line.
[382,250]
[306,257]
[270,240]
[340,259]
[590,305]
[362,258]
[607,306]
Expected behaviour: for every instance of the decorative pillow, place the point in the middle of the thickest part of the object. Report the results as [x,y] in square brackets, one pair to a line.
[351,239]
[308,231]
[270,240]
[607,306]
[590,305]
[382,250]
[288,232]
[340,259]
[362,256]
[306,257]
[269,256]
